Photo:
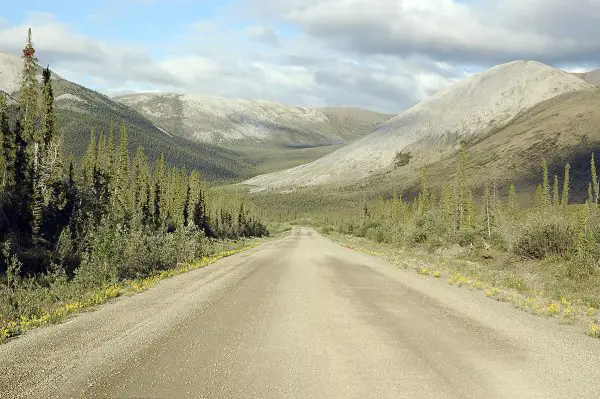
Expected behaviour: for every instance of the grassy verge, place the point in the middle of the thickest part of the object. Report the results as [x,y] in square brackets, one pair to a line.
[532,286]
[69,297]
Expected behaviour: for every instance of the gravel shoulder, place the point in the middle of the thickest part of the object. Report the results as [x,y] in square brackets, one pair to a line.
[303,317]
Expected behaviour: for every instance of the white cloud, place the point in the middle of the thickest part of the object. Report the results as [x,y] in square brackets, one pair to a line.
[379,54]
[483,31]
[82,59]
[264,34]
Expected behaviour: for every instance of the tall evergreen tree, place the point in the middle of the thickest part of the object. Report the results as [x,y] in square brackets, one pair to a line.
[540,198]
[54,162]
[595,186]
[545,185]
[102,155]
[141,180]
[89,162]
[23,187]
[48,116]
[186,207]
[487,210]
[555,192]
[156,214]
[448,207]
[565,192]
[146,212]
[470,214]
[30,92]
[110,153]
[122,192]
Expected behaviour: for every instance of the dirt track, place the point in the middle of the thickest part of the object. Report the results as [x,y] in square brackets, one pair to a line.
[303,317]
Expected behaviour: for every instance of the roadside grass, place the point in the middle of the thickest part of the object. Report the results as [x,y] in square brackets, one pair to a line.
[69,298]
[538,287]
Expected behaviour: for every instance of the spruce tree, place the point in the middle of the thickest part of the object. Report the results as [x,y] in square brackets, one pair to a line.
[122,193]
[160,177]
[48,116]
[487,210]
[89,162]
[186,207]
[141,181]
[555,192]
[595,186]
[565,192]
[156,214]
[540,198]
[448,208]
[102,155]
[110,153]
[22,183]
[470,214]
[30,92]
[29,99]
[242,220]
[545,185]
[146,212]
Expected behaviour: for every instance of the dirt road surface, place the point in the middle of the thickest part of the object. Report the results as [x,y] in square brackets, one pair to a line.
[303,317]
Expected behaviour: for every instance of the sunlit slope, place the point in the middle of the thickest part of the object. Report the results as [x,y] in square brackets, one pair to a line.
[434,128]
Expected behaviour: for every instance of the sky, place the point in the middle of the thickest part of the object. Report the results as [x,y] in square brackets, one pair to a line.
[384,55]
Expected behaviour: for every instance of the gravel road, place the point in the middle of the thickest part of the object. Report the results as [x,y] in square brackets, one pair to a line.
[303,317]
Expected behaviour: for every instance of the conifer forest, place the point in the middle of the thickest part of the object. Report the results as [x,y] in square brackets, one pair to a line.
[70,226]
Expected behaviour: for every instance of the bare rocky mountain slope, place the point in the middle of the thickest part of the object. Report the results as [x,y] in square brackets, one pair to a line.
[231,122]
[592,77]
[467,111]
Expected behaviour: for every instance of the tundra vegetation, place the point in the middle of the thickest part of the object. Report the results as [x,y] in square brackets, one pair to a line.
[72,232]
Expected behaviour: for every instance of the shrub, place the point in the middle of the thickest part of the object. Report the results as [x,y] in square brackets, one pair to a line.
[585,263]
[467,237]
[327,229]
[543,238]
[402,159]
[120,254]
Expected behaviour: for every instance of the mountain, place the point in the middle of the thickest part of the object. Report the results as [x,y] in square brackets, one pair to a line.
[240,123]
[80,109]
[467,111]
[592,77]
[10,73]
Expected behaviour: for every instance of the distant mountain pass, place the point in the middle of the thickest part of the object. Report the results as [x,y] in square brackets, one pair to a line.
[232,122]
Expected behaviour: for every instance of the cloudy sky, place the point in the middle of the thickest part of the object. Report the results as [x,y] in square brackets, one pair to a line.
[380,54]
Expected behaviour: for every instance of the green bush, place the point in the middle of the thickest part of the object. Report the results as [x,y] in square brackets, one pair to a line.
[376,234]
[327,229]
[585,262]
[118,254]
[543,238]
[467,237]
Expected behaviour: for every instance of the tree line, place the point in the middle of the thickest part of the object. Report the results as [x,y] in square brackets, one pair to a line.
[552,227]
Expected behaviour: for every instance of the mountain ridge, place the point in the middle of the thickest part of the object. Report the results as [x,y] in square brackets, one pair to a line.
[231,121]
[435,127]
